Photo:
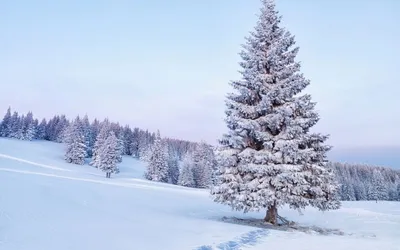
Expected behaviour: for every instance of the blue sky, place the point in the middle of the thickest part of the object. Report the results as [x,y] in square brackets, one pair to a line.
[167,64]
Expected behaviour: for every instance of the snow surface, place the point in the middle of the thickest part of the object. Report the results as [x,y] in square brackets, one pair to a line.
[47,204]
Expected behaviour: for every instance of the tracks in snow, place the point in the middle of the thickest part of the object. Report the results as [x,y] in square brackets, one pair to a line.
[248,239]
[33,163]
[111,182]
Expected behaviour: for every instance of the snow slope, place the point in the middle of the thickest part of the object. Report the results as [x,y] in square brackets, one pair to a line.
[47,204]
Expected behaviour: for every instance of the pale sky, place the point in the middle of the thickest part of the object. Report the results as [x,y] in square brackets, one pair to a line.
[166,65]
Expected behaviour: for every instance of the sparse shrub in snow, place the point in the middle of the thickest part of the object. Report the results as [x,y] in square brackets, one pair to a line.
[269,157]
[157,168]
[76,148]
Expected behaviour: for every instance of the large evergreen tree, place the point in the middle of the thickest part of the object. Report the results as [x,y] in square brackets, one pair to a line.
[269,157]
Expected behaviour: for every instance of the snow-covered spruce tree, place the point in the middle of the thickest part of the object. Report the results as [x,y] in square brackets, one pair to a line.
[186,177]
[378,190]
[6,123]
[100,140]
[121,146]
[157,169]
[269,157]
[173,169]
[41,130]
[87,133]
[29,127]
[203,165]
[75,139]
[108,155]
[14,125]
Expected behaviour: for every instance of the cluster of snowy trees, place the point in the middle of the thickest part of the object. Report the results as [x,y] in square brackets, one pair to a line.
[362,182]
[106,142]
[136,142]
[196,169]
[23,127]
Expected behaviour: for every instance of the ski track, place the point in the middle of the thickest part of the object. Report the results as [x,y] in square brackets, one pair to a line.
[33,163]
[126,185]
[250,238]
[120,183]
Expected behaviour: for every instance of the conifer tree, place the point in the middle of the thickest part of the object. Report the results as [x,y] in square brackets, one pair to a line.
[203,165]
[108,155]
[29,127]
[14,125]
[157,169]
[173,170]
[269,157]
[6,123]
[41,130]
[87,134]
[120,147]
[75,139]
[186,177]
[100,140]
[378,190]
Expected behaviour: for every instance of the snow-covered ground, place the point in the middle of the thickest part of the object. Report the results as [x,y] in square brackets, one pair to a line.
[47,204]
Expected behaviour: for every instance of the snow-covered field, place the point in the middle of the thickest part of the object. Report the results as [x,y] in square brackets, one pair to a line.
[47,204]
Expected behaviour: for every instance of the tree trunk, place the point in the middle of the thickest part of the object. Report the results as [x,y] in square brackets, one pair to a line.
[272,214]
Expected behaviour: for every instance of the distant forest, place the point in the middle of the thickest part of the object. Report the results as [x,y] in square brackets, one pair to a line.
[358,182]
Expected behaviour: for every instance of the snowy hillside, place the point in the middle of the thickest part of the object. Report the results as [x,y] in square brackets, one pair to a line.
[47,204]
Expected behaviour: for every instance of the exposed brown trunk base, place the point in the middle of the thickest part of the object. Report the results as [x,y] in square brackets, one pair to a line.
[272,215]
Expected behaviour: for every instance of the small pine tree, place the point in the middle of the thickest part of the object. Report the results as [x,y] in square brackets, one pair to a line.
[120,146]
[186,177]
[19,132]
[173,170]
[108,155]
[269,158]
[203,165]
[6,124]
[76,148]
[398,192]
[87,134]
[100,140]
[378,189]
[14,126]
[157,169]
[29,127]
[41,130]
